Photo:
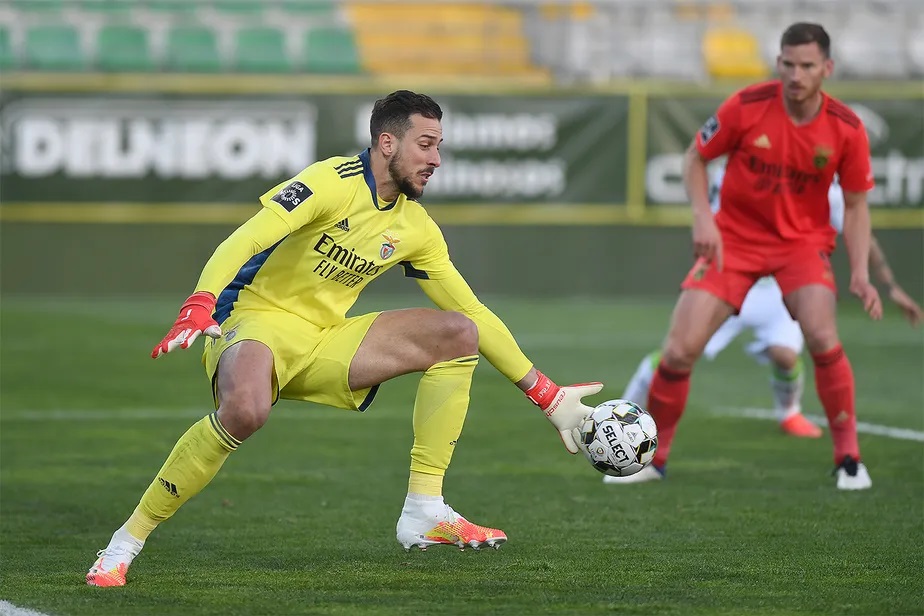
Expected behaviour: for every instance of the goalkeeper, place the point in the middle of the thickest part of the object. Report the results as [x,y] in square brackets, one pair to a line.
[272,300]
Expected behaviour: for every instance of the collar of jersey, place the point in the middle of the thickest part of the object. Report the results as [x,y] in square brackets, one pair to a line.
[370,182]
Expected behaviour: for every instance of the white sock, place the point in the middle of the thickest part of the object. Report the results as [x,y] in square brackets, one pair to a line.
[425,505]
[422,497]
[787,388]
[123,536]
[637,389]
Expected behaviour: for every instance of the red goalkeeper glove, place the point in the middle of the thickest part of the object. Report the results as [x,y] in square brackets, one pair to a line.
[563,406]
[195,318]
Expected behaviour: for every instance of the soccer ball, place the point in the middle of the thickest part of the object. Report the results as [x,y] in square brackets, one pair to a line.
[619,438]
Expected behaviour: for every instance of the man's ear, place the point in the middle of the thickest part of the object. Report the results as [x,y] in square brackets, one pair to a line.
[387,144]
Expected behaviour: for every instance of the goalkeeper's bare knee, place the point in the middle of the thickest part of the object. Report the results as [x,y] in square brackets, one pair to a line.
[459,338]
[245,388]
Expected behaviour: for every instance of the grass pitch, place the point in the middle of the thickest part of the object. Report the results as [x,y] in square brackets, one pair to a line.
[301,519]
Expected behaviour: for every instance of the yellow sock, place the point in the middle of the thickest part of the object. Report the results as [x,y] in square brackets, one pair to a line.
[422,483]
[195,459]
[439,412]
[139,525]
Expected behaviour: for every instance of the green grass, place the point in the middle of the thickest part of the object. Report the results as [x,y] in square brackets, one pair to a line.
[301,519]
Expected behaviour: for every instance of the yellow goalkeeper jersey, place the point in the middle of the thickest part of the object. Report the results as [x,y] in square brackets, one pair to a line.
[323,236]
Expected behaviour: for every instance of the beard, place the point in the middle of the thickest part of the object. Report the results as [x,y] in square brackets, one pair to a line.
[403,182]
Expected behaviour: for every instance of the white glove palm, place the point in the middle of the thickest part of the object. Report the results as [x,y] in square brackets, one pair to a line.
[563,406]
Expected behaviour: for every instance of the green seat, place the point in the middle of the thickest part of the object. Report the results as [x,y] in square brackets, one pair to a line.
[123,48]
[193,49]
[7,57]
[107,6]
[238,7]
[331,50]
[260,50]
[320,8]
[53,48]
[38,5]
[172,6]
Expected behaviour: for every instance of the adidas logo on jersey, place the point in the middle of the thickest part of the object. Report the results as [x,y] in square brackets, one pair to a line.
[343,225]
[762,142]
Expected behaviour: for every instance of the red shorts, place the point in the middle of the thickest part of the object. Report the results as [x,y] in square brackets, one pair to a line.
[793,268]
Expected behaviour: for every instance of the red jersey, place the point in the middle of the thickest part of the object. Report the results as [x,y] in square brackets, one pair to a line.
[777,177]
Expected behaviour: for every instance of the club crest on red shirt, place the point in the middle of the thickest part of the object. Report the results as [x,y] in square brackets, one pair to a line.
[822,156]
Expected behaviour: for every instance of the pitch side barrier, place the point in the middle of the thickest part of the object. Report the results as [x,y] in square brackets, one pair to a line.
[183,149]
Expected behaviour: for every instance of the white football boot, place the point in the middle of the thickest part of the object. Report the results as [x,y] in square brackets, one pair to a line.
[649,473]
[852,475]
[432,522]
[111,564]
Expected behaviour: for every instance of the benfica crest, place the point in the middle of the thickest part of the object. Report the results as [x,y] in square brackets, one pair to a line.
[388,246]
[822,156]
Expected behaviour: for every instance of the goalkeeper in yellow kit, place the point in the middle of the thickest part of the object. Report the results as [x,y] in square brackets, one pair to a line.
[273,299]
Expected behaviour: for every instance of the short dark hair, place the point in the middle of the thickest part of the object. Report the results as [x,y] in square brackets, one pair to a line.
[392,114]
[804,33]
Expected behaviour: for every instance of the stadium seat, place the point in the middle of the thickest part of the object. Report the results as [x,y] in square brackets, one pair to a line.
[260,50]
[244,8]
[712,12]
[123,48]
[192,49]
[331,50]
[575,11]
[675,55]
[450,39]
[171,6]
[114,7]
[38,5]
[7,57]
[53,48]
[916,51]
[587,49]
[313,8]
[871,48]
[732,53]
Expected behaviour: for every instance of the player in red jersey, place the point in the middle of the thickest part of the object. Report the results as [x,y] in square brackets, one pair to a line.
[785,140]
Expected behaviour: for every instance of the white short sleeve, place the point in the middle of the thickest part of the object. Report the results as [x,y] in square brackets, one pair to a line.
[836,206]
[716,176]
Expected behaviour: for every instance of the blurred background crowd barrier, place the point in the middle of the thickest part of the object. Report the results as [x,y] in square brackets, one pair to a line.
[137,133]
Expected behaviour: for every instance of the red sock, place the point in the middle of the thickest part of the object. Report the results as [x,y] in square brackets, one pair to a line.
[835,385]
[667,399]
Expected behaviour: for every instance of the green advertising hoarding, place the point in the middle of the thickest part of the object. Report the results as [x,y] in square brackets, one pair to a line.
[895,128]
[228,149]
[200,149]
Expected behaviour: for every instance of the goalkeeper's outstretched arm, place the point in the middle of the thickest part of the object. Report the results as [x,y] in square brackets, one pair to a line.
[561,405]
[195,318]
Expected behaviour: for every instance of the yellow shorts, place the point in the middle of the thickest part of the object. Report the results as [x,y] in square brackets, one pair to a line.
[310,363]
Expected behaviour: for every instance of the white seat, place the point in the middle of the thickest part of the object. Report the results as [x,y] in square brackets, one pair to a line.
[872,52]
[916,51]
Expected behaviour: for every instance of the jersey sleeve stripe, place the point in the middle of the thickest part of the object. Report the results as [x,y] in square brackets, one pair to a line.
[758,94]
[353,161]
[412,272]
[348,168]
[244,277]
[843,113]
[351,170]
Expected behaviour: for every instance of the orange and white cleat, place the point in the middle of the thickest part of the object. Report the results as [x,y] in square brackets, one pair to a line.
[796,424]
[426,523]
[112,564]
